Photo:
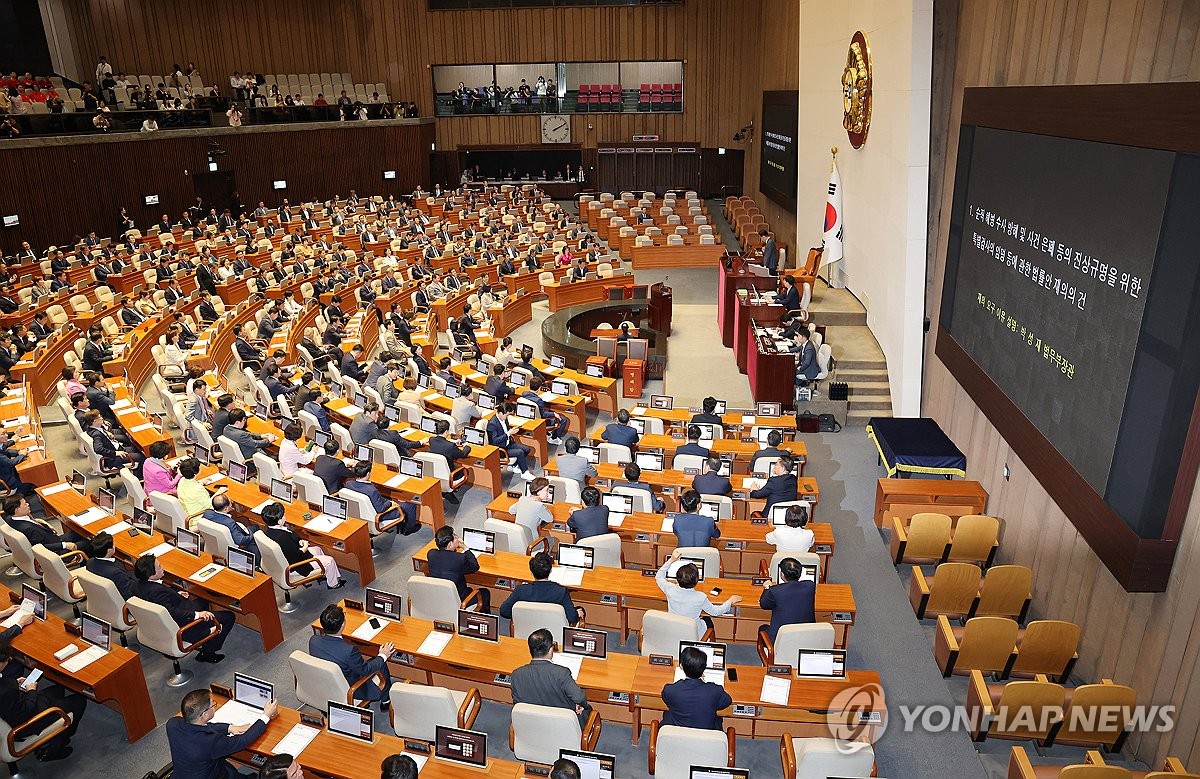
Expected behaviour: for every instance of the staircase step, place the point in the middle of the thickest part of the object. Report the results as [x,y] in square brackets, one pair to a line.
[852,375]
[852,364]
[860,418]
[870,403]
[869,388]
[838,318]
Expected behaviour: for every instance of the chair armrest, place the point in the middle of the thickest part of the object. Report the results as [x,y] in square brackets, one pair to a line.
[377,675]
[764,568]
[766,648]
[512,738]
[899,541]
[979,706]
[787,756]
[652,754]
[71,584]
[1019,766]
[543,544]
[189,647]
[64,723]
[317,574]
[127,615]
[469,709]
[918,592]
[945,646]
[73,558]
[591,731]
[710,635]
[1093,757]
[473,599]
[731,736]
[1174,765]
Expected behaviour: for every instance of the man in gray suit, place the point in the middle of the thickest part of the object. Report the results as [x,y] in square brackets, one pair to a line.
[247,442]
[544,683]
[770,252]
[573,465]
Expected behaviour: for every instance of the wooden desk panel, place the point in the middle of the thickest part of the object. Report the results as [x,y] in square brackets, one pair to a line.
[43,371]
[516,311]
[587,291]
[904,496]
[698,256]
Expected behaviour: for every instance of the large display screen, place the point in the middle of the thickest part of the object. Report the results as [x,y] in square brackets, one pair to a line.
[777,141]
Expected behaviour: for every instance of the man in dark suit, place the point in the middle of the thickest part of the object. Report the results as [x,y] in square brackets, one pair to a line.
[790,299]
[41,327]
[709,416]
[499,436]
[96,352]
[220,514]
[807,367]
[711,482]
[691,701]
[780,486]
[692,529]
[770,252]
[207,311]
[495,385]
[19,704]
[620,432]
[330,469]
[346,656]
[18,515]
[388,510]
[102,563]
[556,425]
[453,561]
[183,611]
[199,746]
[693,443]
[791,601]
[544,683]
[633,478]
[541,590]
[592,519]
[297,550]
[251,356]
[248,443]
[774,439]
[350,364]
[112,455]
[449,450]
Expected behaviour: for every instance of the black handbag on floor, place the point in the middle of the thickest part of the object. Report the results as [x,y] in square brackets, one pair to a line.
[829,423]
[808,422]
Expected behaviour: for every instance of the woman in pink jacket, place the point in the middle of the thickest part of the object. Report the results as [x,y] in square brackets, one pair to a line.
[157,476]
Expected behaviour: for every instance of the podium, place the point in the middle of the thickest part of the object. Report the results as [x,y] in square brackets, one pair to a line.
[660,309]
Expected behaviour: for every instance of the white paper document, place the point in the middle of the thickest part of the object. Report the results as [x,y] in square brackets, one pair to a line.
[322,523]
[237,713]
[776,690]
[753,484]
[259,508]
[567,576]
[365,632]
[434,643]
[396,481]
[140,428]
[749,419]
[83,659]
[668,524]
[120,527]
[161,549]
[26,608]
[94,514]
[571,662]
[350,411]
[296,740]
[637,411]
[66,485]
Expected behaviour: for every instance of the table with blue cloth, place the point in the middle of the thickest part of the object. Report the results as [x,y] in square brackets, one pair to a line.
[908,446]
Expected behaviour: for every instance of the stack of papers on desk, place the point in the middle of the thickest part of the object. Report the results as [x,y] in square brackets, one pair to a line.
[238,713]
[782,346]
[749,419]
[637,411]
[296,740]
[125,411]
[207,480]
[549,397]
[11,402]
[567,576]
[259,508]
[140,428]
[94,514]
[776,690]
[120,527]
[120,404]
[160,550]
[396,481]
[571,662]
[83,659]
[66,485]
[365,632]
[27,607]
[434,643]
[17,421]
[322,523]
[349,411]
[668,525]
[476,376]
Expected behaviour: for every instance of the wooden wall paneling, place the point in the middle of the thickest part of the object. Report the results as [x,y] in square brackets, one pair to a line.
[1149,641]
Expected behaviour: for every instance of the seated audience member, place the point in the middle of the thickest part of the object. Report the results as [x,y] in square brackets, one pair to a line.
[453,561]
[157,475]
[556,424]
[573,465]
[388,510]
[791,602]
[192,495]
[21,703]
[183,611]
[711,482]
[709,415]
[774,439]
[793,535]
[780,487]
[19,516]
[371,424]
[621,432]
[463,410]
[248,443]
[565,768]
[544,683]
[692,529]
[450,451]
[297,549]
[199,746]
[291,456]
[633,478]
[221,415]
[281,766]
[331,646]
[691,701]
[684,599]
[530,511]
[330,468]
[500,435]
[592,519]
[398,767]
[496,386]
[220,513]
[693,443]
[541,590]
[103,563]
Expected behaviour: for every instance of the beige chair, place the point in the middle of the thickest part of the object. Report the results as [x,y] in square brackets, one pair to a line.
[642,501]
[437,599]
[614,453]
[22,552]
[230,451]
[608,552]
[17,741]
[987,644]
[159,632]
[104,600]
[359,507]
[418,709]
[1087,721]
[514,538]
[709,554]
[134,489]
[565,490]
[1047,646]
[528,617]
[58,577]
[437,467]
[217,538]
[952,590]
[810,758]
[286,578]
[925,539]
[310,486]
[537,733]
[686,747]
[268,469]
[320,681]
[684,461]
[785,649]
[662,631]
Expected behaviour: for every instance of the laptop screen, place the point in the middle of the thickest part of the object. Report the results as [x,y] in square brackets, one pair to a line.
[364,453]
[461,746]
[106,500]
[473,624]
[576,556]
[338,508]
[351,721]
[682,561]
[202,455]
[768,409]
[559,387]
[143,520]
[281,490]
[251,691]
[423,380]
[761,433]
[187,541]
[360,399]
[709,508]
[237,472]
[594,371]
[704,772]
[479,541]
[527,411]
[474,436]
[240,560]
[429,425]
[78,481]
[589,643]
[714,652]
[487,401]
[410,466]
[825,663]
[452,391]
[379,603]
[619,504]
[517,379]
[392,413]
[649,461]
[320,437]
[95,631]
[36,598]
[638,424]
[592,765]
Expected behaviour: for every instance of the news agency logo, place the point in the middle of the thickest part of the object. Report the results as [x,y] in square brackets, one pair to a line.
[857,717]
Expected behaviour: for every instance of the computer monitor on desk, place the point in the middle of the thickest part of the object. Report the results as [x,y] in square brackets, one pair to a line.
[95,631]
[468,747]
[649,461]
[351,722]
[590,453]
[338,508]
[592,765]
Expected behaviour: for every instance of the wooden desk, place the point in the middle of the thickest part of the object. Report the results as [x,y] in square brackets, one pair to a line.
[772,374]
[616,598]
[644,544]
[905,497]
[563,295]
[728,283]
[42,369]
[603,389]
[743,334]
[516,310]
[115,680]
[250,598]
[741,451]
[573,407]
[698,256]
[339,757]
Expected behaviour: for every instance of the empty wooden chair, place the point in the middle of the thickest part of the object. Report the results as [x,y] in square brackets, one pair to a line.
[976,539]
[951,590]
[924,540]
[1046,646]
[1088,720]
[1020,767]
[1006,592]
[987,644]
[992,709]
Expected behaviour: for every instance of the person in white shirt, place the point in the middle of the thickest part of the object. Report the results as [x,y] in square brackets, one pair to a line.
[235,116]
[463,409]
[531,512]
[149,125]
[291,456]
[176,356]
[507,354]
[684,599]
[792,536]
